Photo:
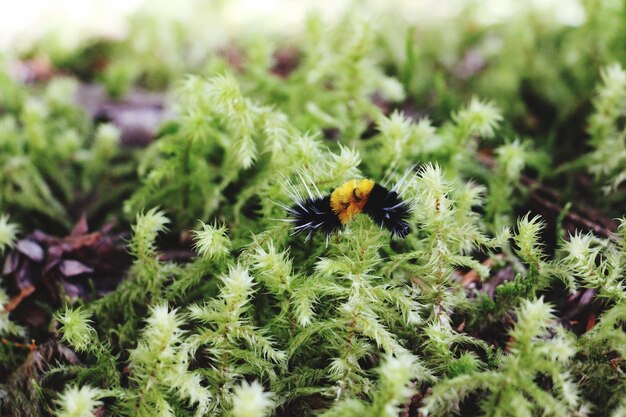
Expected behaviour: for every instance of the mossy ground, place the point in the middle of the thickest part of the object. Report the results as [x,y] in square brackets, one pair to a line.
[145,257]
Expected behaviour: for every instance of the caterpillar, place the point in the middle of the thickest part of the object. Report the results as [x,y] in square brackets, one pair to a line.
[315,212]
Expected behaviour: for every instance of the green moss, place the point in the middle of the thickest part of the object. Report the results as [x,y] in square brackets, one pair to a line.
[259,321]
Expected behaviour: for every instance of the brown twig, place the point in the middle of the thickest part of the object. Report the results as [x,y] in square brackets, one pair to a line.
[31,346]
[547,198]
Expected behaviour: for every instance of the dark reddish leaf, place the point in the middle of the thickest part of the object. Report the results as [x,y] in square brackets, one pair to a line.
[138,115]
[331,133]
[472,275]
[30,249]
[503,275]
[24,276]
[100,412]
[577,310]
[36,69]
[72,290]
[48,353]
[43,238]
[469,278]
[70,268]
[415,404]
[285,61]
[616,362]
[107,228]
[74,243]
[11,263]
[461,326]
[591,322]
[81,227]
[588,296]
[54,256]
[509,344]
[56,266]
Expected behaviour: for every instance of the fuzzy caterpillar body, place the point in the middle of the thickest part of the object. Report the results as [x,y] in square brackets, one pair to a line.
[330,213]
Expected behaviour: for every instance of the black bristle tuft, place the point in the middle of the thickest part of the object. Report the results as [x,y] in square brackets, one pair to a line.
[312,215]
[387,209]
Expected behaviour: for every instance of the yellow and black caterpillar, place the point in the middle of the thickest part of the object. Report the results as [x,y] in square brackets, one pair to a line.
[315,212]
